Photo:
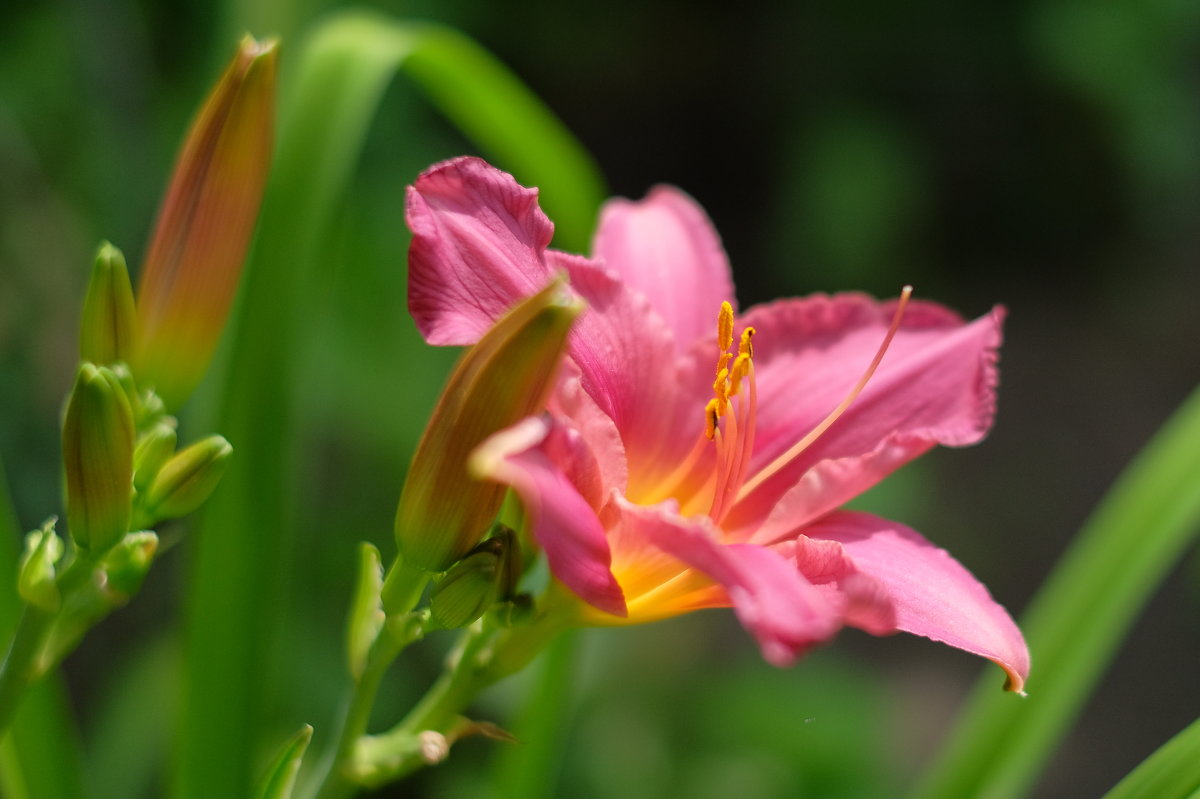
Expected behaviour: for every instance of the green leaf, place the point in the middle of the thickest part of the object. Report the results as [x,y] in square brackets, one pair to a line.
[531,772]
[39,757]
[281,777]
[1172,772]
[242,553]
[1079,618]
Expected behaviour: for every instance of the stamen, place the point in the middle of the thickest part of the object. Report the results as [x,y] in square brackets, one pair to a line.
[711,417]
[745,346]
[796,449]
[741,366]
[721,391]
[727,454]
[725,327]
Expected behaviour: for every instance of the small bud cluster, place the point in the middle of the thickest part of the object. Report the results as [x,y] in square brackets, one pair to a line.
[140,358]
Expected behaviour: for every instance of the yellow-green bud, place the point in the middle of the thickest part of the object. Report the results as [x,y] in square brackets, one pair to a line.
[154,447]
[109,321]
[187,479]
[125,378]
[470,587]
[36,578]
[443,511]
[126,564]
[98,440]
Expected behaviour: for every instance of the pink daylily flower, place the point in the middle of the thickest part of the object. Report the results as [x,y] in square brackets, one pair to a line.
[675,470]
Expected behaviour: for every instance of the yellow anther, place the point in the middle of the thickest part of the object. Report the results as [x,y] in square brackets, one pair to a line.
[723,361]
[745,346]
[711,417]
[721,390]
[741,365]
[725,326]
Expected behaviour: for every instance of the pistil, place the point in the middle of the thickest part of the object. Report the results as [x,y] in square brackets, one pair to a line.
[807,441]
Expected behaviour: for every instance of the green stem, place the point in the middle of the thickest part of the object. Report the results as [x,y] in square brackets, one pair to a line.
[24,665]
[483,657]
[397,633]
[402,588]
[20,667]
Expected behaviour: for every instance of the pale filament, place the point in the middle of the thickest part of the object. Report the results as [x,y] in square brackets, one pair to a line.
[800,446]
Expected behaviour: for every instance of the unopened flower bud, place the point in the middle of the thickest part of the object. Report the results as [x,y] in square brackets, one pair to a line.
[471,586]
[443,510]
[154,447]
[366,611]
[195,256]
[36,577]
[187,479]
[126,564]
[108,321]
[98,440]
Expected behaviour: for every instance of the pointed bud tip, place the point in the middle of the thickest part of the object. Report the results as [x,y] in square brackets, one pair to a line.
[252,48]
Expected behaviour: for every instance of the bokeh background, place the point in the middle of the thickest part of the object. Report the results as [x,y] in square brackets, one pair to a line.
[1043,154]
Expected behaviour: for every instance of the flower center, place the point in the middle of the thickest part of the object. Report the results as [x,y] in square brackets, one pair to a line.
[734,440]
[703,486]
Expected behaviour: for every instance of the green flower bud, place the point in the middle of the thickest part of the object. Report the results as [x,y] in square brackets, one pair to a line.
[366,611]
[109,321]
[98,436]
[125,378]
[471,586]
[187,479]
[443,511]
[36,577]
[126,564]
[154,447]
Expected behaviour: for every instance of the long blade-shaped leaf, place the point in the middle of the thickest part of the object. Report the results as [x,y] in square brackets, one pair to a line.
[281,776]
[528,772]
[1080,617]
[1172,772]
[242,551]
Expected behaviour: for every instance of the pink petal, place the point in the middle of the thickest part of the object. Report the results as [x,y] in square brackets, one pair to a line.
[863,601]
[666,248]
[935,385]
[931,594]
[478,247]
[563,523]
[628,366]
[607,470]
[784,612]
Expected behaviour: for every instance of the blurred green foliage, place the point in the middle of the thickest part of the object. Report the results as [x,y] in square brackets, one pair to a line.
[1042,153]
